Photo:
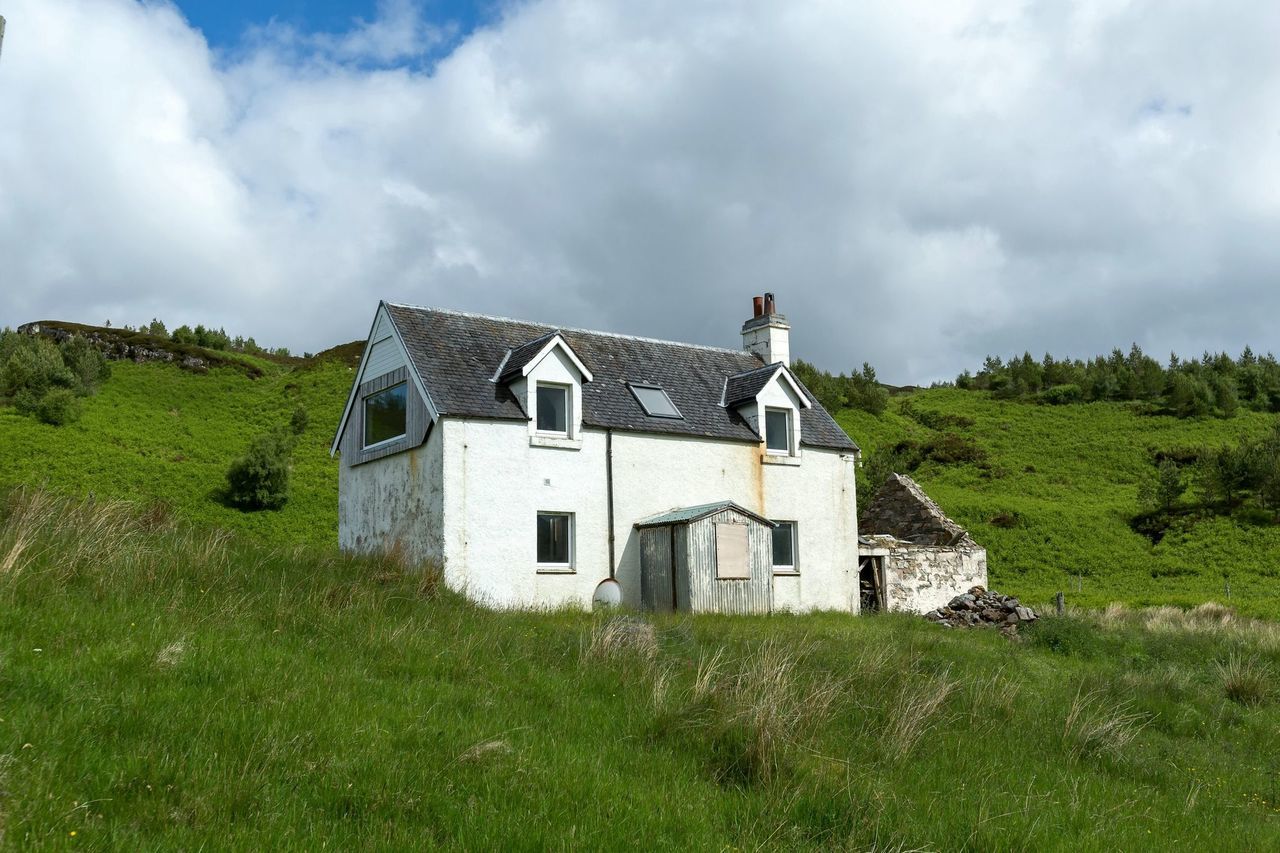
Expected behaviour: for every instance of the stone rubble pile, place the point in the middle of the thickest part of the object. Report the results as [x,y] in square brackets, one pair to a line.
[979,607]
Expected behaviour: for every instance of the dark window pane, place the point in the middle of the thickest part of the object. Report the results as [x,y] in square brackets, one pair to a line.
[777,430]
[553,539]
[553,408]
[384,414]
[784,544]
[655,402]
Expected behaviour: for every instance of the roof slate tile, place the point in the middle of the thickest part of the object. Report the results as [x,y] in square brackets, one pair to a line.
[457,354]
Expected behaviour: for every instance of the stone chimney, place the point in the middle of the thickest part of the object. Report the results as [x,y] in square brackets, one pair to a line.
[767,333]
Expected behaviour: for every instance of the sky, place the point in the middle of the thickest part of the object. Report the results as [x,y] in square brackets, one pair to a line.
[920,183]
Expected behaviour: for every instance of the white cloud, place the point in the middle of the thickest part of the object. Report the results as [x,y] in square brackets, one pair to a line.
[919,183]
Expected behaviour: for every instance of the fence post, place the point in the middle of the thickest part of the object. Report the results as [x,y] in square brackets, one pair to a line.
[1059,604]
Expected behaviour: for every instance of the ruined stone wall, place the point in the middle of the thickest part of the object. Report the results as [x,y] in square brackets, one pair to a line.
[900,508]
[919,578]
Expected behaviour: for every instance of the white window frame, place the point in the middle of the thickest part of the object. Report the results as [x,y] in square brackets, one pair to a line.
[364,414]
[791,444]
[557,568]
[567,432]
[794,568]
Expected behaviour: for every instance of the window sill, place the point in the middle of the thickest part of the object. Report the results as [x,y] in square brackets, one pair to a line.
[385,443]
[780,459]
[786,573]
[556,570]
[558,441]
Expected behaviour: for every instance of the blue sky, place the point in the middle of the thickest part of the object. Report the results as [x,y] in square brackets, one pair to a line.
[225,22]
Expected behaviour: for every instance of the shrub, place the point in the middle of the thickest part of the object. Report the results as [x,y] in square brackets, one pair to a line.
[300,420]
[59,406]
[1061,395]
[34,365]
[260,478]
[86,362]
[1065,635]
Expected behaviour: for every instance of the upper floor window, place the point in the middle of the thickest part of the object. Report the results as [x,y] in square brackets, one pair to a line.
[777,430]
[553,408]
[385,414]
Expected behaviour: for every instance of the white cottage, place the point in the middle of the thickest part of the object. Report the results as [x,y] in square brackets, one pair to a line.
[527,459]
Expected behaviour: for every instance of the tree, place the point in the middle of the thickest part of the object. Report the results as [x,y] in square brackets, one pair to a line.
[260,478]
[1163,491]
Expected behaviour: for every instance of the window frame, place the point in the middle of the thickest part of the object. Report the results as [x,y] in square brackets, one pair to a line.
[647,386]
[567,432]
[794,567]
[557,568]
[364,417]
[790,431]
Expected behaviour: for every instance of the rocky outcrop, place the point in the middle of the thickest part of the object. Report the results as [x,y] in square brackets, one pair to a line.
[979,607]
[901,509]
[120,347]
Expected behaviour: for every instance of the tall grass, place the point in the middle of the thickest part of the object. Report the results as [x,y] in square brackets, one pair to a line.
[166,686]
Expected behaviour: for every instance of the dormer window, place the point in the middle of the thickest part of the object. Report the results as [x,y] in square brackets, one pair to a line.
[385,415]
[777,431]
[553,408]
[654,401]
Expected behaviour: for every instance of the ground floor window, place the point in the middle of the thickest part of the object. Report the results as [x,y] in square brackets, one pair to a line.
[555,540]
[784,547]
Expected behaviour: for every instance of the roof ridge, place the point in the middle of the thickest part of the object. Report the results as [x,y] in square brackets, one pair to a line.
[476,315]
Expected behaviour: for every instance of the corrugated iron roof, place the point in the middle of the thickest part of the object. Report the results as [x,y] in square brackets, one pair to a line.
[684,515]
[457,354]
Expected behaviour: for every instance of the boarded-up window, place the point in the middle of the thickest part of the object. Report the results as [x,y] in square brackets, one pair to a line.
[731,551]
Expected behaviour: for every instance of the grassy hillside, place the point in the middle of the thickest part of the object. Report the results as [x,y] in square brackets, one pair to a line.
[156,432]
[1066,479]
[169,687]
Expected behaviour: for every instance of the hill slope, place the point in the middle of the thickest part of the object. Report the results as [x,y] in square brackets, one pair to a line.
[1053,498]
[1051,501]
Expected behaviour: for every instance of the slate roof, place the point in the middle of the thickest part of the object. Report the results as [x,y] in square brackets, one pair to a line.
[457,354]
[684,515]
[744,386]
[522,355]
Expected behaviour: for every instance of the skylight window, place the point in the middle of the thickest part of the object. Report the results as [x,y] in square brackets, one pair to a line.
[654,401]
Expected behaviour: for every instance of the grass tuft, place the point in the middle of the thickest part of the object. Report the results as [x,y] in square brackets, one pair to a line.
[1246,680]
[1097,727]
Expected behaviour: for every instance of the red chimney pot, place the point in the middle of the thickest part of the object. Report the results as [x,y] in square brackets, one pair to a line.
[757,306]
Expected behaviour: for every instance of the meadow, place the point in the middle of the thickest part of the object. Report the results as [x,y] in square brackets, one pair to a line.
[170,686]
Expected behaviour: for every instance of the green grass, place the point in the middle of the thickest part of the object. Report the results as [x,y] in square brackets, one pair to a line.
[1069,477]
[156,432]
[171,687]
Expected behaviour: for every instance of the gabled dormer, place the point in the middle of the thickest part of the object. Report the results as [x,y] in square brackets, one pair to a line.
[546,376]
[389,410]
[770,400]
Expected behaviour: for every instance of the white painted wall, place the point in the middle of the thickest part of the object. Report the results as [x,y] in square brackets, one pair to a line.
[496,482]
[395,502]
[497,479]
